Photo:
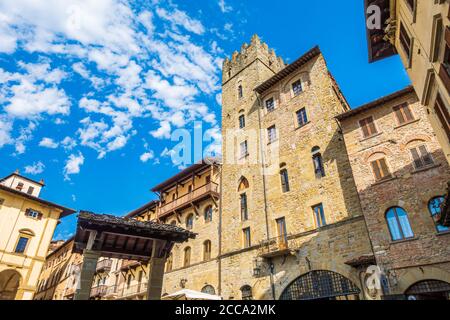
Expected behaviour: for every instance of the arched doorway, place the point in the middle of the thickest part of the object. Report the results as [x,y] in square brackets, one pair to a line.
[429,290]
[321,285]
[9,284]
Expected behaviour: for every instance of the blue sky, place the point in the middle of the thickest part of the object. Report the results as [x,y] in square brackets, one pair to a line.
[91,90]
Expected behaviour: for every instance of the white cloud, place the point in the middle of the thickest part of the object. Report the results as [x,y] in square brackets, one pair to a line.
[73,164]
[35,168]
[5,131]
[48,143]
[163,131]
[68,143]
[224,7]
[145,157]
[180,18]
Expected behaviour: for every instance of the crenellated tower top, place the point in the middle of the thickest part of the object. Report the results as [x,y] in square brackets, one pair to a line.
[249,53]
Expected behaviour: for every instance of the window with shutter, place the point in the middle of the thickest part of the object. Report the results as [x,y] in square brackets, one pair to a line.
[421,157]
[380,169]
[442,113]
[270,104]
[403,114]
[368,127]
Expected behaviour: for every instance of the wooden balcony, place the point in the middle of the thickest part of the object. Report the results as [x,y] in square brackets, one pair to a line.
[128,292]
[274,247]
[208,190]
[129,264]
[104,265]
[99,291]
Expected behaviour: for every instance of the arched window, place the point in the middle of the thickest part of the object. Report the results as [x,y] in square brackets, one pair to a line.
[208,289]
[398,222]
[208,214]
[190,222]
[169,263]
[187,257]
[319,170]
[435,207]
[207,250]
[246,293]
[243,184]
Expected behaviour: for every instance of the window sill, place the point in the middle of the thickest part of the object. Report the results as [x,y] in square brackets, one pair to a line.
[302,126]
[370,137]
[404,240]
[433,166]
[378,182]
[272,142]
[444,233]
[244,157]
[406,123]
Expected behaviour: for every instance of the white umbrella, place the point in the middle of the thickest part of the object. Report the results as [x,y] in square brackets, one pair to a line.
[187,294]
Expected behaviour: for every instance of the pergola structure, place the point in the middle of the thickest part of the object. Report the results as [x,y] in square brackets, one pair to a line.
[124,238]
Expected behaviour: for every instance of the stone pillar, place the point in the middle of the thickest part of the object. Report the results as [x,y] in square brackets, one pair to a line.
[155,278]
[87,273]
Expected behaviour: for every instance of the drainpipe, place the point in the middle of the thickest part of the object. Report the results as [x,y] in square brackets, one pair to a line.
[266,207]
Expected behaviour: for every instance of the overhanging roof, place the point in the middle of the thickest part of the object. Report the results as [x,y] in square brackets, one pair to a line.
[375,103]
[289,69]
[201,165]
[125,238]
[147,206]
[379,48]
[65,211]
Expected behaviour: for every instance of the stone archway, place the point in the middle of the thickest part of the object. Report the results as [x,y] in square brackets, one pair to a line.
[9,284]
[321,285]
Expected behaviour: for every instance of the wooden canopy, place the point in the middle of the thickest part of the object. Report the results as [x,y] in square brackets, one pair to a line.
[125,238]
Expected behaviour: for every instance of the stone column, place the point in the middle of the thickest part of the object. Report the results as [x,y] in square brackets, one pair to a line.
[155,278]
[87,273]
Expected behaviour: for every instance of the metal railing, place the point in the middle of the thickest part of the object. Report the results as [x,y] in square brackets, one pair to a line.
[188,198]
[274,246]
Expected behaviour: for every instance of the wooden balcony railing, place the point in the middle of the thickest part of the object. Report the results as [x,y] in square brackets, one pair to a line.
[210,189]
[130,291]
[128,264]
[274,247]
[99,291]
[104,265]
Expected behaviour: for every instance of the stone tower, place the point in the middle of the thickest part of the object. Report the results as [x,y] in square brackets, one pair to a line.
[251,79]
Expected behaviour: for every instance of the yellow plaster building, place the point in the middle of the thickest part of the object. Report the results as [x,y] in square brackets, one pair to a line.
[27,224]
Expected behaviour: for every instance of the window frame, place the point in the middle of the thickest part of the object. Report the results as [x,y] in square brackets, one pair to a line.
[398,224]
[399,110]
[272,135]
[208,217]
[366,122]
[304,116]
[187,257]
[27,243]
[244,147]
[207,248]
[241,121]
[418,151]
[443,229]
[247,237]
[404,32]
[440,109]
[323,222]
[272,109]
[191,226]
[284,175]
[244,213]
[383,176]
[294,93]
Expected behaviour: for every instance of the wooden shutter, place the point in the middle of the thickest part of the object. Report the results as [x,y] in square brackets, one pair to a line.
[368,127]
[417,160]
[376,170]
[426,157]
[443,115]
[384,168]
